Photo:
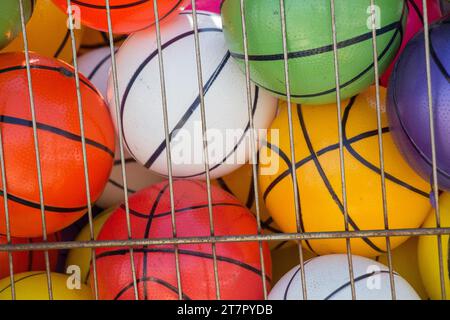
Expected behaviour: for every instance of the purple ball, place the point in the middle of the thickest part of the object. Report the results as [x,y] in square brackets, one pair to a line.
[407,103]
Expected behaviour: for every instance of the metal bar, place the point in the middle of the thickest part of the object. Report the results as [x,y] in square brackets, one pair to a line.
[205,144]
[83,144]
[341,147]
[168,150]
[121,148]
[7,221]
[36,148]
[380,147]
[433,144]
[224,239]
[254,149]
[292,146]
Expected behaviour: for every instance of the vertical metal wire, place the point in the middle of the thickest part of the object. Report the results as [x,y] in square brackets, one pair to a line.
[36,148]
[7,222]
[205,145]
[292,145]
[433,144]
[121,148]
[168,150]
[380,147]
[254,149]
[83,144]
[341,146]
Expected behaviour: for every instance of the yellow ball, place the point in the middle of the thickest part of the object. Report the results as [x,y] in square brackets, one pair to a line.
[428,252]
[81,257]
[406,263]
[319,176]
[94,39]
[240,184]
[33,286]
[47,33]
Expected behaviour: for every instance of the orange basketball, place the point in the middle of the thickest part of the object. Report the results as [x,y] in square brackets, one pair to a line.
[27,260]
[127,16]
[238,263]
[60,148]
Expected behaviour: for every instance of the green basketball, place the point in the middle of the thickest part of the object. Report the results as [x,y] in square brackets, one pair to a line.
[10,24]
[310,44]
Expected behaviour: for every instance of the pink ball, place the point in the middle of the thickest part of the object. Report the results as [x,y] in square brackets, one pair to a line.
[206,5]
[414,25]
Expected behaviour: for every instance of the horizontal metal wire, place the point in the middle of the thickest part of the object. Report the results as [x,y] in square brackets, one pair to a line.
[225,239]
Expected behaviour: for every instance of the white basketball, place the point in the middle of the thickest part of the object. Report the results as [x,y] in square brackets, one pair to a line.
[95,66]
[327,278]
[224,91]
[138,178]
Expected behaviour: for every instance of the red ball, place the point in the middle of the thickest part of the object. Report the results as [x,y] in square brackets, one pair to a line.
[127,16]
[239,267]
[24,261]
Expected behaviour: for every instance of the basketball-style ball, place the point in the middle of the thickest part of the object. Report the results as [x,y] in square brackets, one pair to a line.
[10,21]
[95,66]
[59,141]
[429,255]
[286,258]
[47,33]
[240,183]
[225,97]
[94,39]
[33,286]
[310,44]
[415,23]
[206,5]
[406,263]
[327,278]
[138,177]
[26,260]
[317,156]
[127,16]
[239,265]
[409,113]
[81,257]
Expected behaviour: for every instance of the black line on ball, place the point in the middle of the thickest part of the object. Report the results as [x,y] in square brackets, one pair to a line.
[189,112]
[366,163]
[141,68]
[192,253]
[99,65]
[20,279]
[233,150]
[288,163]
[349,82]
[62,44]
[38,205]
[359,278]
[191,208]
[147,233]
[325,180]
[120,186]
[61,70]
[165,284]
[54,130]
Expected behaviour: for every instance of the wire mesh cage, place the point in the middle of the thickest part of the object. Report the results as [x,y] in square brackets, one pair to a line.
[133,246]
